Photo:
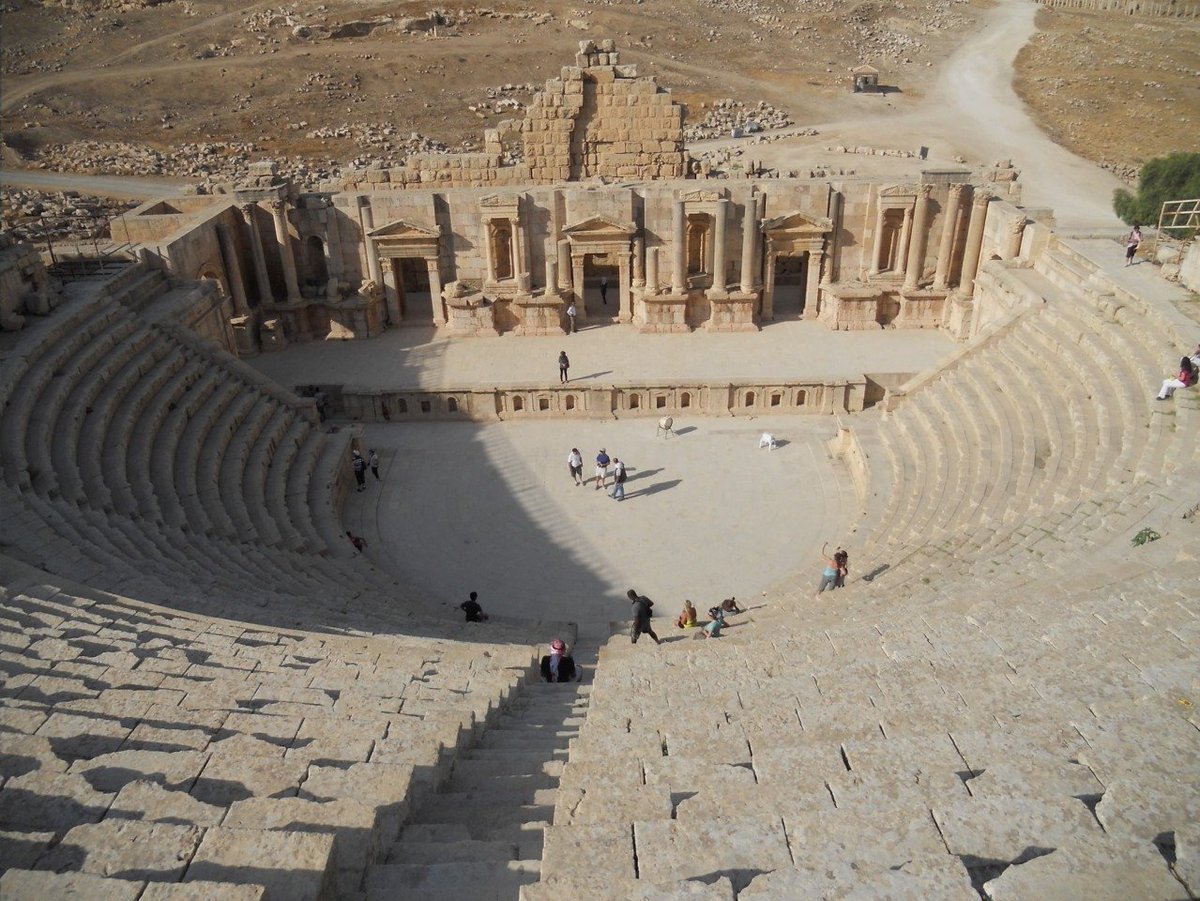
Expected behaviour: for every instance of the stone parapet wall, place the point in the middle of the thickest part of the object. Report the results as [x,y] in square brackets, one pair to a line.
[815,396]
[1130,7]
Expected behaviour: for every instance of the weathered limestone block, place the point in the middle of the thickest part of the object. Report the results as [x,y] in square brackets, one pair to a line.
[388,786]
[227,779]
[202,891]
[604,851]
[600,804]
[1099,868]
[1145,804]
[885,836]
[580,887]
[353,824]
[126,849]
[292,865]
[20,850]
[152,803]
[945,879]
[171,769]
[30,885]
[739,849]
[1005,829]
[49,801]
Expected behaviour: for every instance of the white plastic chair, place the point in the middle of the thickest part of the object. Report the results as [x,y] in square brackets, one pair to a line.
[666,426]
[767,440]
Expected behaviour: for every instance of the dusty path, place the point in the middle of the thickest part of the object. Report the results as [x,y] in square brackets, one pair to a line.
[973,112]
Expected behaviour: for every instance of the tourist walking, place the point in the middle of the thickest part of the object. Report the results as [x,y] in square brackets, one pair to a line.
[829,573]
[472,609]
[360,470]
[604,290]
[563,365]
[641,616]
[1132,243]
[602,462]
[360,543]
[373,462]
[571,318]
[575,465]
[618,492]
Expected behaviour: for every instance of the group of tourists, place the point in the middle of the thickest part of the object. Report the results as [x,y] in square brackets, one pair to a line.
[687,618]
[604,465]
[360,464]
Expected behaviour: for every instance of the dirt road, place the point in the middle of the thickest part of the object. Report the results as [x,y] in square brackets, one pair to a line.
[119,186]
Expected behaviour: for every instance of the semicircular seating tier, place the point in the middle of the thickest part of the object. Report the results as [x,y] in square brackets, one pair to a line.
[1006,709]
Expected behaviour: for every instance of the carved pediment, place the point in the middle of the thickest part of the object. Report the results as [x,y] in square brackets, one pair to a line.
[898,191]
[402,229]
[796,222]
[600,227]
[864,70]
[492,201]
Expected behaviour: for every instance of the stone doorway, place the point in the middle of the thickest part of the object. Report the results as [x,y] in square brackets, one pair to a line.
[791,276]
[412,290]
[600,271]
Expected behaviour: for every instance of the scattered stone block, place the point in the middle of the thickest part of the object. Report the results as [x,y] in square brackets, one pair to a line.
[29,885]
[291,865]
[126,849]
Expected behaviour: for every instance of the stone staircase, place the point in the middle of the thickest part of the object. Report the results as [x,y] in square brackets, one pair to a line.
[144,747]
[481,835]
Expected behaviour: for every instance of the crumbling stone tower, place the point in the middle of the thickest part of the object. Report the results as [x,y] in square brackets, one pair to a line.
[599,118]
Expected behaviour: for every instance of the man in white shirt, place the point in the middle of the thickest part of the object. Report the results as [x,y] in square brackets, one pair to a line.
[575,464]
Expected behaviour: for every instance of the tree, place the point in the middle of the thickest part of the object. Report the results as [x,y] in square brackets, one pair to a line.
[1173,177]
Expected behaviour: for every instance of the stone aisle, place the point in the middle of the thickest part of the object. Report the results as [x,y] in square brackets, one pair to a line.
[481,835]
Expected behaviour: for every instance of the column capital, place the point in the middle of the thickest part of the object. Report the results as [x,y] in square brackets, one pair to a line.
[923,191]
[247,208]
[276,206]
[982,197]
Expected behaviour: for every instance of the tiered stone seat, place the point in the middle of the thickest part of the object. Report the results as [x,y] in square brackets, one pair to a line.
[918,751]
[1064,391]
[149,746]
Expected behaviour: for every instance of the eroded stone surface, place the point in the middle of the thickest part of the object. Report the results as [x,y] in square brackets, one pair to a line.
[126,849]
[1096,867]
[286,864]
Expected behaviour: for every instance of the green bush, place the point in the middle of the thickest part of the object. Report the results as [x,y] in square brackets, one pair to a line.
[1173,177]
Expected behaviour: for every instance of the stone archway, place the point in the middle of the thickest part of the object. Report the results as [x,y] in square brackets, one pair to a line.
[795,242]
[607,243]
[400,246]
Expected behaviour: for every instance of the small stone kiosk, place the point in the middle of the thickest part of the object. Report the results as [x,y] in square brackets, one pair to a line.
[864,80]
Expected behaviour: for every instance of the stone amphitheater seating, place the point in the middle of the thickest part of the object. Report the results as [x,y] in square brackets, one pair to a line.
[209,698]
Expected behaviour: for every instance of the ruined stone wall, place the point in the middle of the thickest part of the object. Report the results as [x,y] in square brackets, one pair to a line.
[1167,8]
[24,285]
[597,119]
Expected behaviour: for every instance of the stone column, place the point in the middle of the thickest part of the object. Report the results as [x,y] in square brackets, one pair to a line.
[286,257]
[905,237]
[835,221]
[490,247]
[812,286]
[374,273]
[333,253]
[564,265]
[970,267]
[749,238]
[877,246]
[722,213]
[1016,231]
[949,230]
[578,290]
[551,271]
[265,294]
[678,249]
[651,270]
[435,289]
[520,263]
[639,262]
[916,243]
[233,272]
[625,298]
[768,293]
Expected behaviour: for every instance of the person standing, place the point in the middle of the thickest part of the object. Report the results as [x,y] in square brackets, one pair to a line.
[571,313]
[360,470]
[641,616]
[841,559]
[829,573]
[1132,243]
[604,290]
[563,365]
[472,609]
[618,492]
[575,465]
[373,462]
[602,462]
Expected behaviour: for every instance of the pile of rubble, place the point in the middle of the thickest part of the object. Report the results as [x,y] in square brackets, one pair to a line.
[730,118]
[62,216]
[500,99]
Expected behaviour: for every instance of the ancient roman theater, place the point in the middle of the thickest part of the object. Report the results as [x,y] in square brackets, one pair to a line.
[253,466]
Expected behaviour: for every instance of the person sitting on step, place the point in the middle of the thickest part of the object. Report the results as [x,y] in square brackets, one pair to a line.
[686,618]
[1185,379]
[712,628]
[558,665]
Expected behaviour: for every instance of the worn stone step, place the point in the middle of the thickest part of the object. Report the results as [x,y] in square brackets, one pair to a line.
[500,881]
[435,832]
[409,852]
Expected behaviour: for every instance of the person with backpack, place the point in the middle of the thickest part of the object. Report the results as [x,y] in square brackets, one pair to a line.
[618,492]
[563,365]
[641,616]
[360,470]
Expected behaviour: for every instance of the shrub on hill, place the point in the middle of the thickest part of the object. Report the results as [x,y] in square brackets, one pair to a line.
[1173,177]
